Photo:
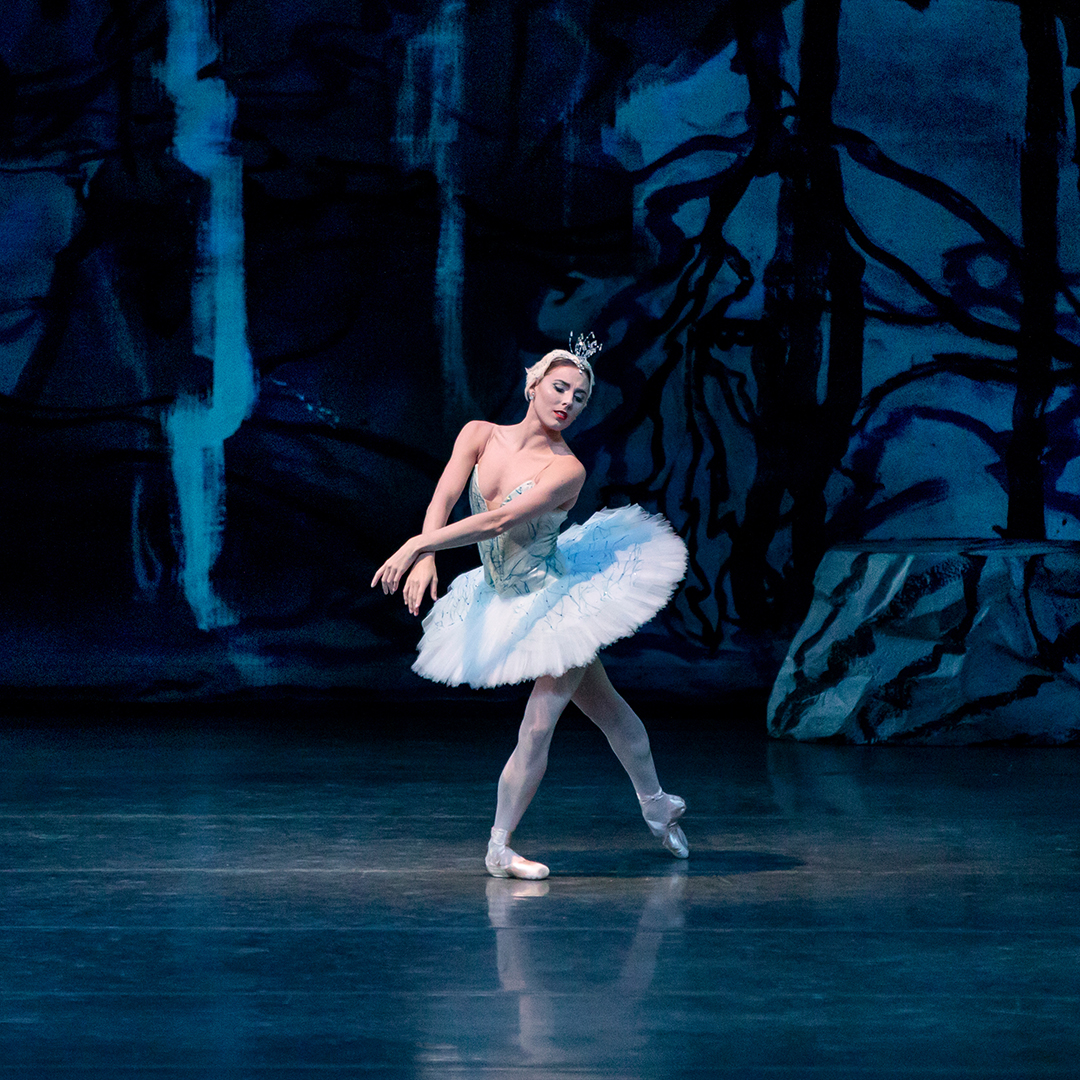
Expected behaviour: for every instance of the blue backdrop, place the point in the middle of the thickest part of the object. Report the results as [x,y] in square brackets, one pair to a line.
[262,259]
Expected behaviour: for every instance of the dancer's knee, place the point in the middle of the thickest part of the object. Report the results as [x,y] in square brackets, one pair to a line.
[619,723]
[532,743]
[534,736]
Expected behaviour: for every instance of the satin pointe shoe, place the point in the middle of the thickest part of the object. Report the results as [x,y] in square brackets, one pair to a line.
[661,813]
[501,861]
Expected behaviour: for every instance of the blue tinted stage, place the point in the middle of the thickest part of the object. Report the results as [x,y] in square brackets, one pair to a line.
[303,896]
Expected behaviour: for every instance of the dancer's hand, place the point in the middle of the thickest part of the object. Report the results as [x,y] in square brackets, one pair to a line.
[422,579]
[391,572]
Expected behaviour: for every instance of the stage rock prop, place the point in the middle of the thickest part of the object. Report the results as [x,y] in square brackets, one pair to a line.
[937,641]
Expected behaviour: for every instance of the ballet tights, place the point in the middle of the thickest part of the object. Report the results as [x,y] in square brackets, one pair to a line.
[606,708]
[591,690]
[526,766]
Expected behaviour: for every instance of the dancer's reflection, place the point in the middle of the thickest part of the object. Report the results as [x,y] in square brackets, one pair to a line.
[604,1024]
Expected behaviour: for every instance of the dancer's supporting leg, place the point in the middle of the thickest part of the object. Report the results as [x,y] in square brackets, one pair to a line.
[608,710]
[525,769]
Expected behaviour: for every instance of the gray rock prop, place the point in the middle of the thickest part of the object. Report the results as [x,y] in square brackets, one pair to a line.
[937,642]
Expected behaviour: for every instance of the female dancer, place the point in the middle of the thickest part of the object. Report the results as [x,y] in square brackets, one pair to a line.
[541,606]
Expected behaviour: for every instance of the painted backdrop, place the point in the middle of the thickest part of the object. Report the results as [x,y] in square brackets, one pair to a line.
[261,259]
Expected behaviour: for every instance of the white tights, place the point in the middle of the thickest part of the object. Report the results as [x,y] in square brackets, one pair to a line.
[591,691]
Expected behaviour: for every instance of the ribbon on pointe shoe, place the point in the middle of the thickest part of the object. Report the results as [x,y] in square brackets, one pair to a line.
[502,861]
[661,813]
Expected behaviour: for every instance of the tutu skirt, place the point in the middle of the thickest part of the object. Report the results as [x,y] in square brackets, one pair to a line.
[621,567]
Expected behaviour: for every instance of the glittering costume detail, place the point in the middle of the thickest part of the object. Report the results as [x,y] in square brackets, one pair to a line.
[544,603]
[583,350]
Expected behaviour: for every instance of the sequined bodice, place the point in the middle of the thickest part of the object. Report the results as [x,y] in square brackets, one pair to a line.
[523,559]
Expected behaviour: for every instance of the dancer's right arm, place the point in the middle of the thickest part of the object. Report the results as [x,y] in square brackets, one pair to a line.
[423,577]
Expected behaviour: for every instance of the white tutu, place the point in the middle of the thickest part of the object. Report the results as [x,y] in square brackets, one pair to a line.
[595,583]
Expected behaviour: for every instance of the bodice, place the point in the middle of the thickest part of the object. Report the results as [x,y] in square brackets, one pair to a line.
[524,558]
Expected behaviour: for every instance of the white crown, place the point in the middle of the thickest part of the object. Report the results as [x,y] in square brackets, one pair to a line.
[584,348]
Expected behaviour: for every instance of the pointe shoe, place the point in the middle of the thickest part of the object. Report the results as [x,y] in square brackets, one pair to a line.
[501,861]
[661,813]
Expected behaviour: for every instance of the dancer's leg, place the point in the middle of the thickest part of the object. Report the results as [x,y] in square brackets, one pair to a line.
[607,709]
[524,770]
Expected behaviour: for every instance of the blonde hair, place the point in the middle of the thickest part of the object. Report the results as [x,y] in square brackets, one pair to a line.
[549,360]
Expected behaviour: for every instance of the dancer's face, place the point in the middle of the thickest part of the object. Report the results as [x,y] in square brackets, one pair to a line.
[560,395]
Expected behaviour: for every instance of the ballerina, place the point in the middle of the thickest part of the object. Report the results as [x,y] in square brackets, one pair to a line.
[542,605]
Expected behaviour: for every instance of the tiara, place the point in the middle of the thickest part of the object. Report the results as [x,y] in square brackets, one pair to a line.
[584,348]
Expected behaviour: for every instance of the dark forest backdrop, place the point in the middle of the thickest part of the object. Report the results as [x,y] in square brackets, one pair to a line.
[261,259]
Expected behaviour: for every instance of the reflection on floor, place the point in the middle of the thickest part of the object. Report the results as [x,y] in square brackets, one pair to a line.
[301,899]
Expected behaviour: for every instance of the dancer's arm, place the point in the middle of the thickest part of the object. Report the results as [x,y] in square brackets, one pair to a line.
[423,578]
[559,484]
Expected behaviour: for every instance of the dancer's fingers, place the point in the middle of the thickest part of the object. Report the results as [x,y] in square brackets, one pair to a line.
[384,577]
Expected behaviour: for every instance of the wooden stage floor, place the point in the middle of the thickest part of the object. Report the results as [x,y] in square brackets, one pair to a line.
[306,897]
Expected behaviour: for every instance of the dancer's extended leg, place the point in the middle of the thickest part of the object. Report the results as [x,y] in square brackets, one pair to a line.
[525,769]
[608,710]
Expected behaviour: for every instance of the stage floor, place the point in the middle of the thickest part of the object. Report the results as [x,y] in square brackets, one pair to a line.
[300,898]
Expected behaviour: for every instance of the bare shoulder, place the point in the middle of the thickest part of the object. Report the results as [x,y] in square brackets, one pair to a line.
[474,436]
[566,469]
